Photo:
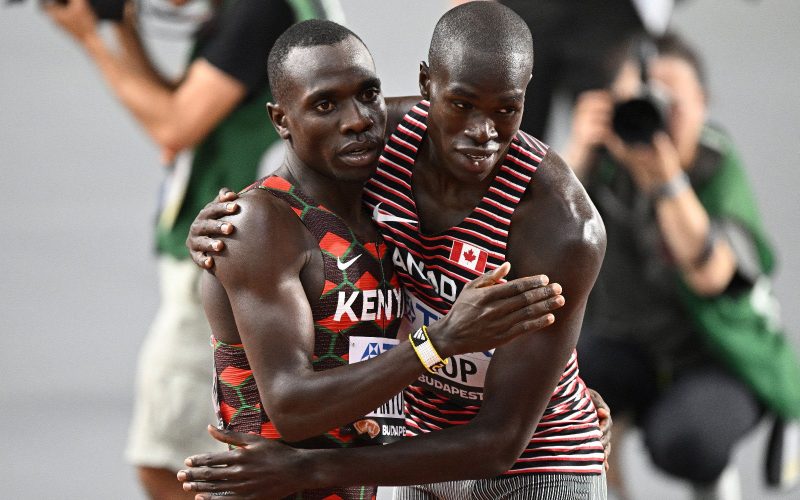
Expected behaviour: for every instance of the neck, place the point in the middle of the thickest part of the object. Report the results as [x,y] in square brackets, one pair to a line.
[434,176]
[342,197]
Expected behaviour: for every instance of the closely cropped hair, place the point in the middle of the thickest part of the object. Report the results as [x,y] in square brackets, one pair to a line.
[669,44]
[484,26]
[672,45]
[310,33]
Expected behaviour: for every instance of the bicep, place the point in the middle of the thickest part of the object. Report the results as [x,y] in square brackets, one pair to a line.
[270,307]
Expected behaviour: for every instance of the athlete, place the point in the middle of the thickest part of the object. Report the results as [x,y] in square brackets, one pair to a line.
[290,331]
[454,178]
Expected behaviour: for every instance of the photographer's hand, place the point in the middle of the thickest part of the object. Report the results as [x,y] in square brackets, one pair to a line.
[650,165]
[591,126]
[75,17]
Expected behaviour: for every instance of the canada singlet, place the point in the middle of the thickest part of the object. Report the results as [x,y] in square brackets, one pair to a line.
[355,318]
[434,269]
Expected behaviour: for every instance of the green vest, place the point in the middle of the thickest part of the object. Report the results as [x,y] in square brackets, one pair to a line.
[743,329]
[230,155]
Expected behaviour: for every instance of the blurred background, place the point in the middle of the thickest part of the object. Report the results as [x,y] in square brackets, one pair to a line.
[80,179]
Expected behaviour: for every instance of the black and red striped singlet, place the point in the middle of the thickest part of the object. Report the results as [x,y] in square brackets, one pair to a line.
[355,318]
[434,269]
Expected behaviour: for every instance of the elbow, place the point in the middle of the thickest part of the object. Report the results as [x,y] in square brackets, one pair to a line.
[709,281]
[498,451]
[291,425]
[172,137]
[293,421]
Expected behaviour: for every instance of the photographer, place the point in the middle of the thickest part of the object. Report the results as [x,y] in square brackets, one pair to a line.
[680,332]
[211,130]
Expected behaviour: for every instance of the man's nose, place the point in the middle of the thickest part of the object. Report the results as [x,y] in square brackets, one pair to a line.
[481,130]
[355,118]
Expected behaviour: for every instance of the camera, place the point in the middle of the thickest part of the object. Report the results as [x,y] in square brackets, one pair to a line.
[106,10]
[638,119]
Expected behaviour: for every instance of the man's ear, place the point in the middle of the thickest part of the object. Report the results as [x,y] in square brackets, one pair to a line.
[424,80]
[278,118]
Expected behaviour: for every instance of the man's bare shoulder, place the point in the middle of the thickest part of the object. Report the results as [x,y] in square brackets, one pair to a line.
[269,238]
[556,221]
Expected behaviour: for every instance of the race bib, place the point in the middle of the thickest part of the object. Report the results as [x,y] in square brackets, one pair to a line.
[387,423]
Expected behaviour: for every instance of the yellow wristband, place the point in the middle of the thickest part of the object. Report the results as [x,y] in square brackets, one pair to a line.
[425,351]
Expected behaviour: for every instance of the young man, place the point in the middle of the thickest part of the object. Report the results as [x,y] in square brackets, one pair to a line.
[289,329]
[454,177]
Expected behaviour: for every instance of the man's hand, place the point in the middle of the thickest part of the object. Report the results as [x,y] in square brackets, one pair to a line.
[75,17]
[650,165]
[207,225]
[591,128]
[604,415]
[258,469]
[488,313]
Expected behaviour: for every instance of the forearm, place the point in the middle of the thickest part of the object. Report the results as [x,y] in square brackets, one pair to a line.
[146,97]
[707,263]
[457,453]
[303,407]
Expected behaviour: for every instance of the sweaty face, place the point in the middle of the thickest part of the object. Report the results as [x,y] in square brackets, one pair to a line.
[476,108]
[334,108]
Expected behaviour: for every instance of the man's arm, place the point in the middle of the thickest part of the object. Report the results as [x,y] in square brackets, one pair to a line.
[268,298]
[175,118]
[567,238]
[396,109]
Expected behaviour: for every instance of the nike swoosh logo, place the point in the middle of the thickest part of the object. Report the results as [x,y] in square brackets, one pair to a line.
[344,265]
[378,216]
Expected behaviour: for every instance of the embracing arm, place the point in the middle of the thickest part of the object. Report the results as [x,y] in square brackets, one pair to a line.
[266,292]
[396,109]
[570,240]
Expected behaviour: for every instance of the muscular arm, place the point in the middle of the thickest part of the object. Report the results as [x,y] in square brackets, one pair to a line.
[396,109]
[273,318]
[569,239]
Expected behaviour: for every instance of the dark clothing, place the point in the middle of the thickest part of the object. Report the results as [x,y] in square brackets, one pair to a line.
[641,347]
[689,426]
[575,45]
[238,39]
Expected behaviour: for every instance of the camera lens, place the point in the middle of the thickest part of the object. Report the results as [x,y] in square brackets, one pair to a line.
[636,120]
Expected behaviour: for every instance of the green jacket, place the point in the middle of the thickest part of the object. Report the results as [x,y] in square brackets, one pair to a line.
[743,328]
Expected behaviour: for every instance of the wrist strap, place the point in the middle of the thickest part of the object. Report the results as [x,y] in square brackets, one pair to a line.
[671,188]
[426,353]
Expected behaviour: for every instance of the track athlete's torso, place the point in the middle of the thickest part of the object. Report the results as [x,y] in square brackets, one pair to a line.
[434,268]
[356,318]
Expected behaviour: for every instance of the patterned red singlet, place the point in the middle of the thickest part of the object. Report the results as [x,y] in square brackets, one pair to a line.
[355,318]
[434,268]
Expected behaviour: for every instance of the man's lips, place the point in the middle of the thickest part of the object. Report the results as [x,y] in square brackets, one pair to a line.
[359,148]
[477,154]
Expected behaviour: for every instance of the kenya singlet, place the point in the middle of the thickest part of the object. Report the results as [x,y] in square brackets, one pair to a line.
[355,318]
[434,269]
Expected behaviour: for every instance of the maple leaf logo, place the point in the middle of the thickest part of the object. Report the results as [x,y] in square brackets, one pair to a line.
[469,255]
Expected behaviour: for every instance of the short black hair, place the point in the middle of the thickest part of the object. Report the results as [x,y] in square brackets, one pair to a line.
[482,26]
[310,33]
[670,44]
[643,48]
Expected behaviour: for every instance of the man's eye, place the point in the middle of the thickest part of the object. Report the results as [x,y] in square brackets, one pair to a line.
[507,111]
[461,105]
[324,106]
[370,94]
